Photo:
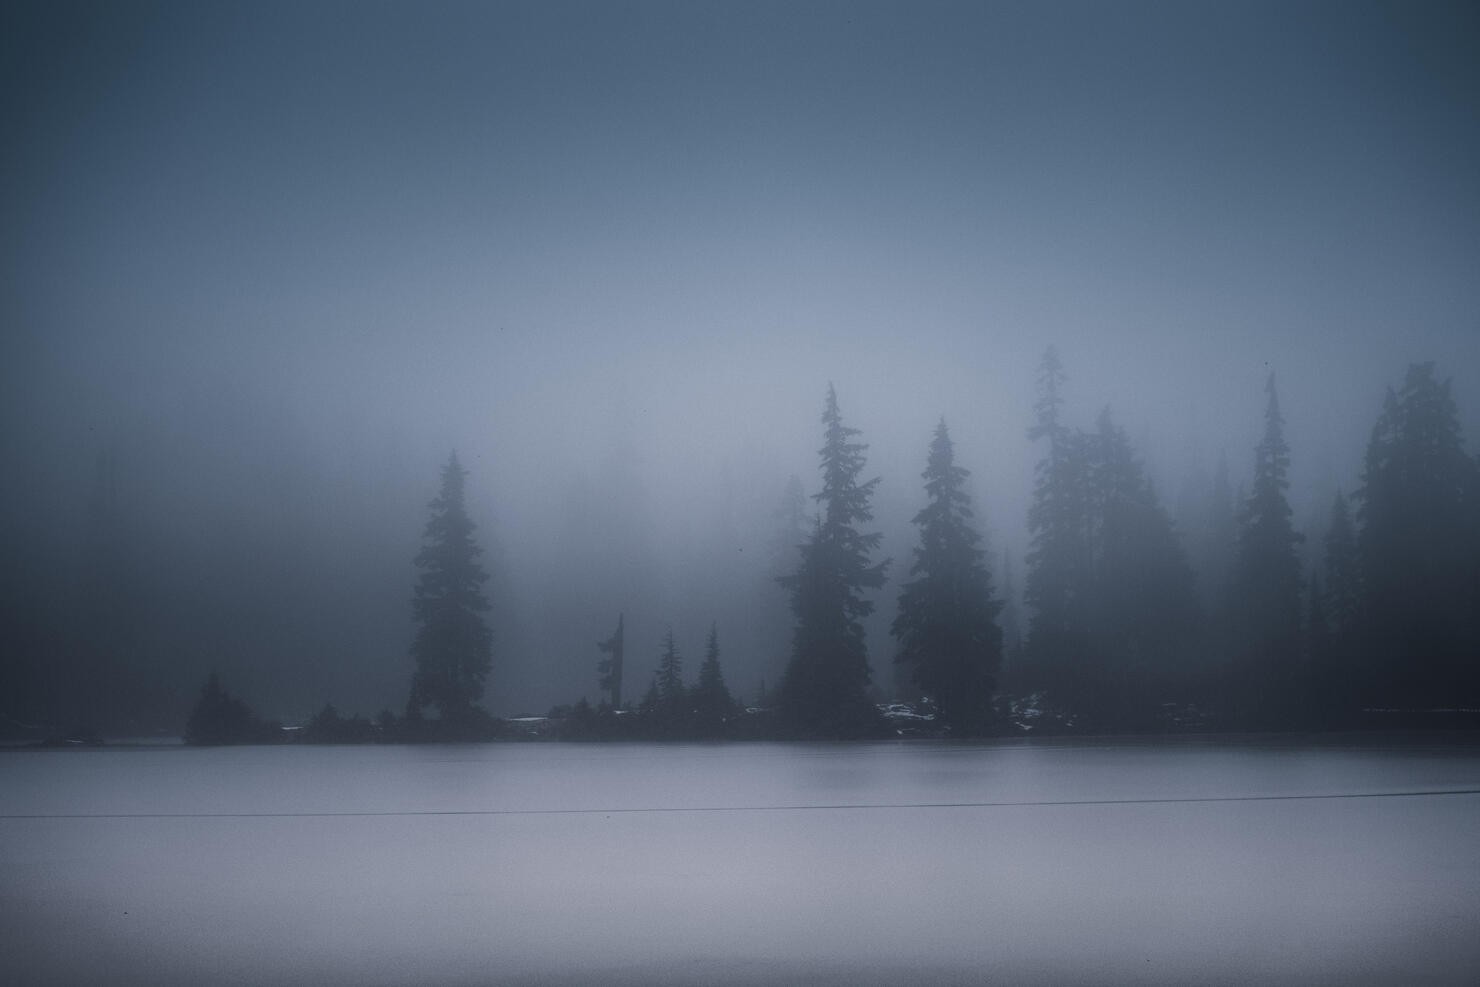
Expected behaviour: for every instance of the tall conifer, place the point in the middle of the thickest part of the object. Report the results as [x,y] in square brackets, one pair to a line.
[824,691]
[453,648]
[711,698]
[1267,582]
[1420,549]
[947,622]
[1140,605]
[670,674]
[1058,555]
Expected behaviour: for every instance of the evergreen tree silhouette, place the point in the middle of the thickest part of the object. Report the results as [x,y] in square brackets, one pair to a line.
[824,690]
[1419,547]
[711,699]
[453,646]
[1058,553]
[1140,607]
[1114,609]
[220,718]
[1267,583]
[610,669]
[947,621]
[671,694]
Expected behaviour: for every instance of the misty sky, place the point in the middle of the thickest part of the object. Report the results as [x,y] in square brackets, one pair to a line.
[278,259]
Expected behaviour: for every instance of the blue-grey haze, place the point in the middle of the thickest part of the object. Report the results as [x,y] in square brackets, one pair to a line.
[263,265]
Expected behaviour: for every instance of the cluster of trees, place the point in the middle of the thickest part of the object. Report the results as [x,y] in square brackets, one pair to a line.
[1119,638]
[453,648]
[452,651]
[1118,635]
[669,710]
[218,717]
[673,709]
[1388,618]
[1395,615]
[1113,613]
[947,626]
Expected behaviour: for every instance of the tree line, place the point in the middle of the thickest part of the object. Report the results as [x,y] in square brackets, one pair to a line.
[1384,627]
[1132,624]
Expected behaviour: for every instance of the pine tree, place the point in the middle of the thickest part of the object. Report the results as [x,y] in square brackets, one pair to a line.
[453,646]
[610,669]
[711,699]
[824,690]
[1057,558]
[669,678]
[1140,606]
[220,718]
[1266,582]
[1420,549]
[947,621]
[1114,609]
[665,709]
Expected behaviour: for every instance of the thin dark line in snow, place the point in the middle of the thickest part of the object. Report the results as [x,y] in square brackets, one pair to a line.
[736,808]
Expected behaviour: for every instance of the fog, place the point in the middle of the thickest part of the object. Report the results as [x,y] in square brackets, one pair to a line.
[264,268]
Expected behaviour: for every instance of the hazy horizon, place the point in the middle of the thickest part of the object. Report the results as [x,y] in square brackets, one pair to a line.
[266,265]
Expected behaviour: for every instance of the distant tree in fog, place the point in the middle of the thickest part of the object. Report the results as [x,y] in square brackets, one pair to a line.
[710,697]
[453,648]
[1266,590]
[1141,607]
[824,691]
[328,727]
[1058,553]
[947,621]
[670,673]
[1419,544]
[664,712]
[610,668]
[220,718]
[1114,610]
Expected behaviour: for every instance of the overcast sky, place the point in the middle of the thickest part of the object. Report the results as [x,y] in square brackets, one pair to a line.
[282,257]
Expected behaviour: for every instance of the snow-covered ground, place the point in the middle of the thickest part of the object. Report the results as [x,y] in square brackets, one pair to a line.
[1199,861]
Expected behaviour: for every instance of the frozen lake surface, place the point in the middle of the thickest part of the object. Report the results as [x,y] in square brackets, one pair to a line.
[1197,861]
